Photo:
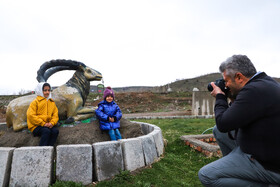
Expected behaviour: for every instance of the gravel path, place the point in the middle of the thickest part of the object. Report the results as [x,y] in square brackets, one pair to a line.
[172,113]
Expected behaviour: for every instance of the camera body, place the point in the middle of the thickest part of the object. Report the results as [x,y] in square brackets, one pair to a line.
[221,84]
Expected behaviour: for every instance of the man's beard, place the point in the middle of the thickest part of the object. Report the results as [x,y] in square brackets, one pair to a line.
[231,96]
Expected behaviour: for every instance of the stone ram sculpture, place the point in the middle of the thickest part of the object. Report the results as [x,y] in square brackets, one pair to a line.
[70,98]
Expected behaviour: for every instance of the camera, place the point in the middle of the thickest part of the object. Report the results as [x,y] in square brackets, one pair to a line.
[221,84]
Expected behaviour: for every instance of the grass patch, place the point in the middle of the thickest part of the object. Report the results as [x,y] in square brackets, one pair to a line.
[180,164]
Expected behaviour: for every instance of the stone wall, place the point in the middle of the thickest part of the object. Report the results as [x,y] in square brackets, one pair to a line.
[34,166]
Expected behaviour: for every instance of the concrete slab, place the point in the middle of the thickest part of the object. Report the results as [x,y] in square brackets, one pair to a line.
[32,166]
[132,154]
[6,154]
[151,127]
[149,149]
[195,142]
[74,163]
[158,138]
[108,159]
[146,127]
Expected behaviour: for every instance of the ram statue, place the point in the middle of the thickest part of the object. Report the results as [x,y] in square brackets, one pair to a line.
[70,98]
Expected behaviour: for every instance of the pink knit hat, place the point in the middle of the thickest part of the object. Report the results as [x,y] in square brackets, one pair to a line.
[108,91]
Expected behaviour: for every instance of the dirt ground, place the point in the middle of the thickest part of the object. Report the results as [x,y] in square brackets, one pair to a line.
[2,115]
[132,104]
[148,102]
[83,133]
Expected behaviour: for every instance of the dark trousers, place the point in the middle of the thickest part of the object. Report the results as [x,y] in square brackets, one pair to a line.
[48,135]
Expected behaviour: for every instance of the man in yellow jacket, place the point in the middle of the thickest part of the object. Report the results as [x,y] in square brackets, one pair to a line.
[42,115]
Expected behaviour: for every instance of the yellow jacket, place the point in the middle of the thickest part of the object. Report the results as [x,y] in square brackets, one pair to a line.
[40,112]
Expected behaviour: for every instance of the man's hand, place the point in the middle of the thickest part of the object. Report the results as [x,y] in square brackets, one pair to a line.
[216,90]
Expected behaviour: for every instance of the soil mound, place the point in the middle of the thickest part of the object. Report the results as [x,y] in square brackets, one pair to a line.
[83,133]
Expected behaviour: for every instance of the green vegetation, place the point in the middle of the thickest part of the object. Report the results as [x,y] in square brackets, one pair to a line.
[179,165]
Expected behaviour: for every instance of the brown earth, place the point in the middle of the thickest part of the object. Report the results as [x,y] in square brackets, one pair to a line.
[83,133]
[2,115]
[149,102]
[132,104]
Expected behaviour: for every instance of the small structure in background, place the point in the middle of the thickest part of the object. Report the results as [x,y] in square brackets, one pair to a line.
[202,103]
[169,89]
[100,88]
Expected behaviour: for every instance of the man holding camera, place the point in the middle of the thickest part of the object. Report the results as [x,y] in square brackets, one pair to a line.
[255,116]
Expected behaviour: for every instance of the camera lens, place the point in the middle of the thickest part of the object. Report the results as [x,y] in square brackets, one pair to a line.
[210,87]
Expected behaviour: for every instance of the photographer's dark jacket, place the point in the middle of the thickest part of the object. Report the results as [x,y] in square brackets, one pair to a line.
[256,115]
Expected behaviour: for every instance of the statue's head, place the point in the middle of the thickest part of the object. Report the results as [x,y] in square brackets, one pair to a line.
[91,74]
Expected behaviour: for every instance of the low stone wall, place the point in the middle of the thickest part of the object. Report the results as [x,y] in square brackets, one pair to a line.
[34,166]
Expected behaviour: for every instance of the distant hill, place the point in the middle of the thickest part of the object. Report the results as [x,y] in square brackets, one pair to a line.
[127,89]
[135,89]
[200,82]
[184,85]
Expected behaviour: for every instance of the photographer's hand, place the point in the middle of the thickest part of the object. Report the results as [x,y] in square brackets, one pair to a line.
[216,90]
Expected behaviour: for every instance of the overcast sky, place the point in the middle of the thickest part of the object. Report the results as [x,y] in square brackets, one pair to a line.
[135,43]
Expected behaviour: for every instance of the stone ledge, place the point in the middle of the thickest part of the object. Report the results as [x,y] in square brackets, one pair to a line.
[108,159]
[132,154]
[6,154]
[149,149]
[72,160]
[32,166]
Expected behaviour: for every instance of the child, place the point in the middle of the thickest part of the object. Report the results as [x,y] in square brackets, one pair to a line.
[42,115]
[109,114]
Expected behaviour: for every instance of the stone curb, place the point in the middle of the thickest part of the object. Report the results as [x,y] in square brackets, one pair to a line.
[72,160]
[6,154]
[108,159]
[132,153]
[33,166]
[156,133]
[149,149]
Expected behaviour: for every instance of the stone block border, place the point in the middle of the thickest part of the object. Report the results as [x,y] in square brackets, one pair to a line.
[202,144]
[34,166]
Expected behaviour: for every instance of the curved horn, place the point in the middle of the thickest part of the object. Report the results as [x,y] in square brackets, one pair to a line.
[56,69]
[53,66]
